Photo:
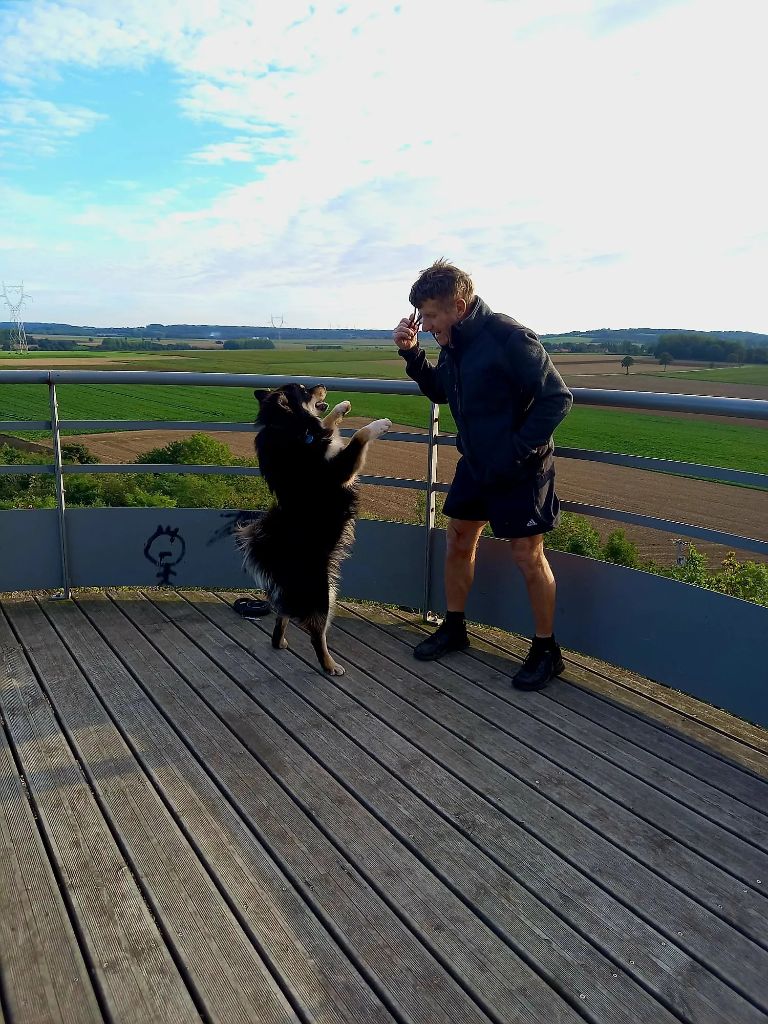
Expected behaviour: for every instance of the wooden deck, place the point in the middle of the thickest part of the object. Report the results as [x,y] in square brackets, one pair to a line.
[195,827]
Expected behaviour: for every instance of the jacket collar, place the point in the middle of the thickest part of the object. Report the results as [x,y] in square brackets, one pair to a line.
[473,323]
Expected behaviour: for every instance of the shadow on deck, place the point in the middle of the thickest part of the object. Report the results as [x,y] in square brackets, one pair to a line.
[196,827]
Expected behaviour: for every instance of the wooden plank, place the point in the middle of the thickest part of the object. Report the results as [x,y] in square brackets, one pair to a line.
[712,728]
[522,785]
[740,819]
[453,841]
[44,977]
[211,711]
[322,981]
[566,961]
[497,978]
[135,976]
[655,824]
[568,708]
[220,964]
[665,738]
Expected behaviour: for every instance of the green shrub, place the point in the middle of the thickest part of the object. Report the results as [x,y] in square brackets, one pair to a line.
[620,550]
[576,535]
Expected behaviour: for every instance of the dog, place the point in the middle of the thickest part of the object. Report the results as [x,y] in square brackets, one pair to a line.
[295,548]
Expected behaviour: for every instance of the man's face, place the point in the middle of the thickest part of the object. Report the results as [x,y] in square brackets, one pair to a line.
[439,316]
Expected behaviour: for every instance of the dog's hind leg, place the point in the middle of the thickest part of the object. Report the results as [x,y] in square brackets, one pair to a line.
[317,629]
[278,633]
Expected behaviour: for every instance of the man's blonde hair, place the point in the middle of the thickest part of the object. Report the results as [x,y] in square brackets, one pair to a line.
[441,281]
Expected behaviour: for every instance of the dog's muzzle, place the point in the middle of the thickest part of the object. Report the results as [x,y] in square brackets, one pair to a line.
[321,406]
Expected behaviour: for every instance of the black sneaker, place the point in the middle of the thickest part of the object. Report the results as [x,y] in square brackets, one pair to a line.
[542,664]
[445,638]
[249,608]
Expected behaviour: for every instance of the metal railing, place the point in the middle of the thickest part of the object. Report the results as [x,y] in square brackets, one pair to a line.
[730,407]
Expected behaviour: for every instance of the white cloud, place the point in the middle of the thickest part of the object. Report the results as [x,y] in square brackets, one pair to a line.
[592,162]
[40,126]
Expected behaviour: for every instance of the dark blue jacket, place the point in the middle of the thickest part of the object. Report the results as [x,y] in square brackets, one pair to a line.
[503,390]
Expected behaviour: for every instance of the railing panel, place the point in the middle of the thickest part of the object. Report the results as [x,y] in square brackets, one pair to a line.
[141,547]
[29,550]
[706,644]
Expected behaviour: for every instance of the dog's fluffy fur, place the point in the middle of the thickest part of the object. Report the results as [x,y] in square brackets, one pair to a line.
[294,550]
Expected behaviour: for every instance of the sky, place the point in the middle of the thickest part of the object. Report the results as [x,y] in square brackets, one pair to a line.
[591,163]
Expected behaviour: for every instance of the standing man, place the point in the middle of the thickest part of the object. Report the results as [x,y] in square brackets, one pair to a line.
[506,398]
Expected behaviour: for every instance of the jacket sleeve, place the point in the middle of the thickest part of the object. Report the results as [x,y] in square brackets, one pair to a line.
[546,399]
[419,368]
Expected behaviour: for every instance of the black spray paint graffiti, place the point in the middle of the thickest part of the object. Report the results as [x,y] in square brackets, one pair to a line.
[165,548]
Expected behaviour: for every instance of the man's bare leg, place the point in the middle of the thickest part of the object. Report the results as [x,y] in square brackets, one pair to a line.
[462,538]
[544,660]
[528,554]
[461,545]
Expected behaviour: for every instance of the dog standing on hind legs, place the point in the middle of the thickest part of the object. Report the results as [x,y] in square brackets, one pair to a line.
[295,548]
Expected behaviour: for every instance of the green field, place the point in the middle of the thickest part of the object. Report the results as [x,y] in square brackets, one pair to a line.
[731,444]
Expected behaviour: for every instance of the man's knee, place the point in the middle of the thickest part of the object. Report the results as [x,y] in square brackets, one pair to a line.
[461,537]
[528,555]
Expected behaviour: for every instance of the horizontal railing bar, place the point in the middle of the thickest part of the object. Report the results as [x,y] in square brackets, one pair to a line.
[391,435]
[741,408]
[668,466]
[159,467]
[750,408]
[394,481]
[181,468]
[25,470]
[667,526]
[243,427]
[25,424]
[115,425]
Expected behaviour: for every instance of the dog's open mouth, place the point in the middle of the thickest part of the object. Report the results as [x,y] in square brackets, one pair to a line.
[321,406]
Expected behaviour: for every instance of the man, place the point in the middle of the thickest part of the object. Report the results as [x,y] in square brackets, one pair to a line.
[506,398]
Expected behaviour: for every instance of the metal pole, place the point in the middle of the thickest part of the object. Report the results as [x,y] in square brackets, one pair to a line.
[429,512]
[59,477]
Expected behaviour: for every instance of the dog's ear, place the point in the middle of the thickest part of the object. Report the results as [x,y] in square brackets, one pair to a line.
[261,393]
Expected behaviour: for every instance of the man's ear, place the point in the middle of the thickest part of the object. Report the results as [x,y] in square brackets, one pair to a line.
[261,393]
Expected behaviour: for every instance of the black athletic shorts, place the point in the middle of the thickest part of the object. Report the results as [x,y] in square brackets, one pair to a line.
[520,509]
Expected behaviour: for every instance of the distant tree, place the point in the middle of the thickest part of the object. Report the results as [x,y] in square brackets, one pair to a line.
[665,359]
[626,362]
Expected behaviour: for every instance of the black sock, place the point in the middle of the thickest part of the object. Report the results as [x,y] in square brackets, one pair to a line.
[454,621]
[544,643]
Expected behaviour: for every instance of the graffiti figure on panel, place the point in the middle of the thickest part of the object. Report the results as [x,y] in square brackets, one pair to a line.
[165,548]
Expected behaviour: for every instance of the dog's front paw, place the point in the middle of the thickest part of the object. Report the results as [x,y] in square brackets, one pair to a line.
[342,409]
[335,670]
[379,427]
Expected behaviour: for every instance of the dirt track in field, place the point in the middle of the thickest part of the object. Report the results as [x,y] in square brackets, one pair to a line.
[732,509]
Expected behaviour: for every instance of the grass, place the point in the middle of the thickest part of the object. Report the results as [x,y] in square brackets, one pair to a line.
[729,444]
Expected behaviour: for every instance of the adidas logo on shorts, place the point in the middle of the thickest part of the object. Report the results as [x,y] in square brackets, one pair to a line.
[531,522]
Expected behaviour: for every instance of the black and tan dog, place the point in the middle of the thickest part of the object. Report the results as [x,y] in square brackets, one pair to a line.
[294,550]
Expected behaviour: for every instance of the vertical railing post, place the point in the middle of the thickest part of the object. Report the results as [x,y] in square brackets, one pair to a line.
[59,478]
[429,511]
